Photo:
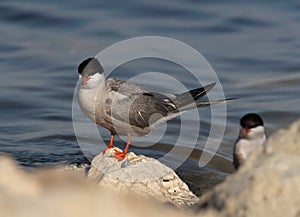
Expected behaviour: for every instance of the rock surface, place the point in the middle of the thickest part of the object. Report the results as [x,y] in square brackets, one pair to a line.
[286,140]
[59,193]
[140,175]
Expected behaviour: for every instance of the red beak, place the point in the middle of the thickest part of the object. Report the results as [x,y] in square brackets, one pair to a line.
[245,132]
[85,80]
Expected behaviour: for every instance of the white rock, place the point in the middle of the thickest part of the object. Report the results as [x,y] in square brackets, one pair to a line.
[142,175]
[63,192]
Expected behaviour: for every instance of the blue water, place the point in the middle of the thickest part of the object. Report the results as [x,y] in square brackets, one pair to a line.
[254,48]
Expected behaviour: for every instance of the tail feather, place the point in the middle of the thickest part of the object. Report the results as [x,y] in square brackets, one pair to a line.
[189,97]
[188,107]
[205,103]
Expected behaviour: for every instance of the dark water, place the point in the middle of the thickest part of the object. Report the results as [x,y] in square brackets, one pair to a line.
[254,48]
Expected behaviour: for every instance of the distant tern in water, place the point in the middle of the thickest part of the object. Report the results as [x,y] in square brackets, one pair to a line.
[252,136]
[129,109]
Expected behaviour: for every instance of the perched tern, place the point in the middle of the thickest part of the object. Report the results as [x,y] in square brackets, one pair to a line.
[252,136]
[128,109]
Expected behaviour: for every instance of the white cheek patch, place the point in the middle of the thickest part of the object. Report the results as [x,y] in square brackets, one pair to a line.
[257,131]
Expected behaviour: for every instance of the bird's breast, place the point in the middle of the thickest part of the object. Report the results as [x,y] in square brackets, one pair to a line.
[87,102]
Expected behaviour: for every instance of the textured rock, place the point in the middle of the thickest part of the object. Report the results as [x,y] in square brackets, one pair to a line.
[15,181]
[140,175]
[268,184]
[286,140]
[59,193]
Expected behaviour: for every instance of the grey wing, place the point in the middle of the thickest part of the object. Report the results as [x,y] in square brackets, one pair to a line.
[143,109]
[237,158]
[148,108]
[135,105]
[124,88]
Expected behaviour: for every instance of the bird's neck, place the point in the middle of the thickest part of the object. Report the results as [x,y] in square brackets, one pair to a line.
[88,99]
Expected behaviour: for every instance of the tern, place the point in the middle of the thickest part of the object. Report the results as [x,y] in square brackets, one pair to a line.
[251,137]
[128,109]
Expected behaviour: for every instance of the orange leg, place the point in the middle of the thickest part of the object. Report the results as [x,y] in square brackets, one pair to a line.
[121,155]
[111,143]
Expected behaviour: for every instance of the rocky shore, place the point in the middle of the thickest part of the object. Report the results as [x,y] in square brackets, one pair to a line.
[268,184]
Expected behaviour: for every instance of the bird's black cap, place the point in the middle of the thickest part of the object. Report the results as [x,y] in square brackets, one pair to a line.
[251,120]
[90,66]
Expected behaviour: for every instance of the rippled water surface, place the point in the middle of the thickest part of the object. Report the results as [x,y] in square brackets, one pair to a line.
[254,48]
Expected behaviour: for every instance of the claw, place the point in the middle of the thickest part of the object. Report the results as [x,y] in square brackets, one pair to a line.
[119,155]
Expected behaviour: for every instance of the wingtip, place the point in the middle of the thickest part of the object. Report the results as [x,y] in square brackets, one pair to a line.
[231,99]
[210,86]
